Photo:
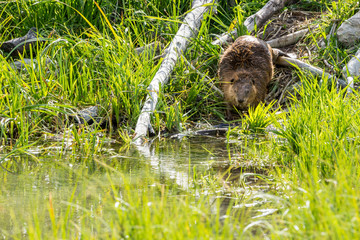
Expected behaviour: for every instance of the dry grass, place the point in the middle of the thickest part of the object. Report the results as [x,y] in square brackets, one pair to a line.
[289,21]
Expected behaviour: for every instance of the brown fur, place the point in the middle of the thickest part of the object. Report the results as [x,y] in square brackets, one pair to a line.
[245,69]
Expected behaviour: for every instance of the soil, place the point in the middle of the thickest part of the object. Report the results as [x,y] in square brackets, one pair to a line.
[288,22]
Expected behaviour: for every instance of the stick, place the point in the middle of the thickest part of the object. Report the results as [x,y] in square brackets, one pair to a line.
[188,30]
[284,91]
[288,39]
[291,62]
[257,19]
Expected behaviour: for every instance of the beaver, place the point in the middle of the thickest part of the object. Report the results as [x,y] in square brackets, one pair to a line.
[245,69]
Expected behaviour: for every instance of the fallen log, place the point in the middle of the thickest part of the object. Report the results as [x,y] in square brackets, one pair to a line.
[258,19]
[291,62]
[17,46]
[288,39]
[188,30]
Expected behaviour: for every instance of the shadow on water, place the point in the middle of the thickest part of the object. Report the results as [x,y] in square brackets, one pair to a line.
[196,165]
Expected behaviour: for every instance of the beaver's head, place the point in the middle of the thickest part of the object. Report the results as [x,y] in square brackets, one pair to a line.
[239,90]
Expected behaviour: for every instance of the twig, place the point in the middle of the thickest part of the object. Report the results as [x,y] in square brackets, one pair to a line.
[328,64]
[188,30]
[277,32]
[283,92]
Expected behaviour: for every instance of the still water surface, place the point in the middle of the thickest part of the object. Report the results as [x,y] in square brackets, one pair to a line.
[53,184]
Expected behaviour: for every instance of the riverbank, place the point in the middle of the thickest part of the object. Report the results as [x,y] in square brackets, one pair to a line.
[288,170]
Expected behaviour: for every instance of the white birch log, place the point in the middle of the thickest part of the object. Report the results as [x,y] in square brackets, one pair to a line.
[188,30]
[291,62]
[257,19]
[352,69]
[165,165]
[288,39]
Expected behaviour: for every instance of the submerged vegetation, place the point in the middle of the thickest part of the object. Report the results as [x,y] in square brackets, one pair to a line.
[289,170]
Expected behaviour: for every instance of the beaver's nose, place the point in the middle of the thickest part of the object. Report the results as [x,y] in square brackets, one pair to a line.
[241,101]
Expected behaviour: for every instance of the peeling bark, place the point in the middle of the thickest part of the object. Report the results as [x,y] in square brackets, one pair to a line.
[188,30]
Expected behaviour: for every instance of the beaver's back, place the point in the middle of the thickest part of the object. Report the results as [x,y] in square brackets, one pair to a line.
[248,53]
[245,69]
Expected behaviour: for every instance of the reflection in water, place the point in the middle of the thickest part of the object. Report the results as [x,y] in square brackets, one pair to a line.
[51,184]
[176,159]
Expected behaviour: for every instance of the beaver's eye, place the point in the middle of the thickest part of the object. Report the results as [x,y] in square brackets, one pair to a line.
[232,80]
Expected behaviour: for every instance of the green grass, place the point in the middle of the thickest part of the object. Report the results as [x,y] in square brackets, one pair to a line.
[320,158]
[312,158]
[94,62]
